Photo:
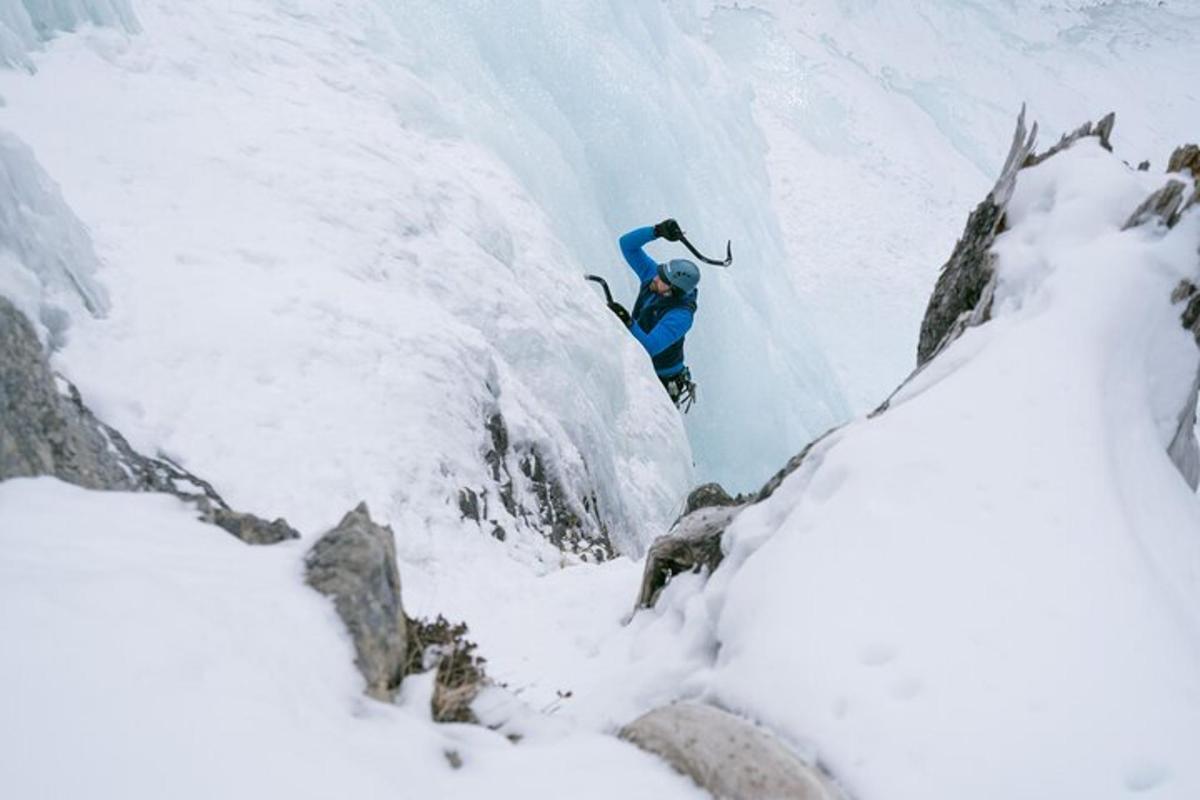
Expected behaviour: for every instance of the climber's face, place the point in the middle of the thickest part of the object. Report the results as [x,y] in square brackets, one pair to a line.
[660,287]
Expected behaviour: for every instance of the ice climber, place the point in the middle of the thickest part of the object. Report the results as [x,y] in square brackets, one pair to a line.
[665,307]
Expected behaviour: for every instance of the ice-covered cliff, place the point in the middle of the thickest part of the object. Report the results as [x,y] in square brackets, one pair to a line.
[338,246]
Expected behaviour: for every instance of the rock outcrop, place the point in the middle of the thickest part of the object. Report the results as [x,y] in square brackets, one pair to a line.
[41,432]
[694,544]
[355,565]
[965,288]
[963,294]
[1185,157]
[1165,208]
[727,756]
[710,495]
[46,429]
[526,491]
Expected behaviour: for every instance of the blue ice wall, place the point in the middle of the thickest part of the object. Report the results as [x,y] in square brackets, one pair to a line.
[25,24]
[616,115]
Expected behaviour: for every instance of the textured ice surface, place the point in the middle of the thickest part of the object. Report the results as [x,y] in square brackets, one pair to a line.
[26,24]
[47,265]
[616,115]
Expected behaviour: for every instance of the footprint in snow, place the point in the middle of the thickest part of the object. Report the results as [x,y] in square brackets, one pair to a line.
[1145,777]
[877,654]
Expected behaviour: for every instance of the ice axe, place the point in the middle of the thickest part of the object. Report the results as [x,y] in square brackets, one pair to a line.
[728,253]
[669,229]
[613,305]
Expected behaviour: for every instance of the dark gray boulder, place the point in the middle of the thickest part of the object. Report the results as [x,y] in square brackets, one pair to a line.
[727,756]
[355,565]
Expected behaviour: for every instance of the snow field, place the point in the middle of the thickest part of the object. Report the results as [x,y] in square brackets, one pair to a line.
[160,655]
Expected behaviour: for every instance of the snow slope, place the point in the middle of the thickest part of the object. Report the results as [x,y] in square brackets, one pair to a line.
[991,590]
[160,656]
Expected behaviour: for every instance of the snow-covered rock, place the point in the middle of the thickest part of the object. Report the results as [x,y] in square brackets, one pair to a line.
[692,545]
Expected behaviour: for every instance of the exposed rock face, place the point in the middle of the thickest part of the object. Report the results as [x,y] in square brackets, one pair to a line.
[247,527]
[40,433]
[1185,157]
[525,491]
[727,756]
[963,294]
[1165,205]
[710,495]
[693,544]
[355,565]
[965,288]
[45,429]
[1101,130]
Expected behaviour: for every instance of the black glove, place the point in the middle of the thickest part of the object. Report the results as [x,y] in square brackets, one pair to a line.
[668,229]
[621,313]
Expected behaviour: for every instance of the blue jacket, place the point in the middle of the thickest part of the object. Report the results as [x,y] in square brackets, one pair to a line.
[659,323]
